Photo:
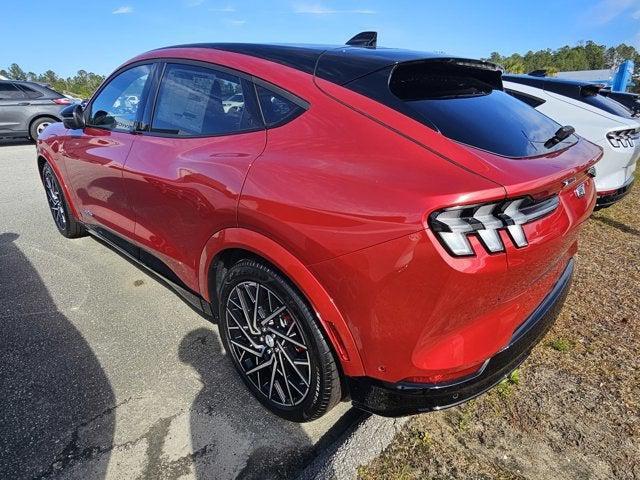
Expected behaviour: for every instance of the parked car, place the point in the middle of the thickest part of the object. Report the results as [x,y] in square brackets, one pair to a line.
[597,118]
[234,102]
[363,228]
[629,100]
[27,108]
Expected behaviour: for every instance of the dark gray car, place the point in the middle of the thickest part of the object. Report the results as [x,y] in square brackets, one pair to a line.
[27,108]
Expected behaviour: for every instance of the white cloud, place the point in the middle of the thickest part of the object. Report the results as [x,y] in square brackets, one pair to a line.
[123,10]
[606,11]
[320,9]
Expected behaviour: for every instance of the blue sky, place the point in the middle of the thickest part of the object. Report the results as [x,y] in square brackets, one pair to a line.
[99,35]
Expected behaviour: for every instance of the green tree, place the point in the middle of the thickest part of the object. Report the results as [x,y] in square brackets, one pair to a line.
[16,73]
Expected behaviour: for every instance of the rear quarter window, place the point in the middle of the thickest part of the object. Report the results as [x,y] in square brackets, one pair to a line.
[276,108]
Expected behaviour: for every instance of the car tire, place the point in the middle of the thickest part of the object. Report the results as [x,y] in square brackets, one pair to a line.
[297,379]
[58,205]
[38,125]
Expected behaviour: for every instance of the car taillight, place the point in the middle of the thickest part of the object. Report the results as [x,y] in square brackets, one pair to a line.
[62,101]
[454,225]
[623,138]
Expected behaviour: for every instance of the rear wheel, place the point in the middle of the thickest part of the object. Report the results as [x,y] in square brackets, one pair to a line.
[275,343]
[67,225]
[38,126]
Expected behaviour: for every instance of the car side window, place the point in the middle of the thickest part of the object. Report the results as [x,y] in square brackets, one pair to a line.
[8,91]
[194,101]
[30,92]
[276,109]
[116,106]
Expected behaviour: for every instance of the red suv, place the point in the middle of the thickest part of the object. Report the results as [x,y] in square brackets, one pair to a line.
[379,225]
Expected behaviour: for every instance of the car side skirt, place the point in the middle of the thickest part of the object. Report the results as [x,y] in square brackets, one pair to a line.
[154,266]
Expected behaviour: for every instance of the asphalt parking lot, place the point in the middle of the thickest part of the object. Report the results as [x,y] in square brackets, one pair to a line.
[106,373]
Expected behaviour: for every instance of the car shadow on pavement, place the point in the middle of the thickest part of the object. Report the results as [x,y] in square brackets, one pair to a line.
[7,142]
[53,390]
[268,447]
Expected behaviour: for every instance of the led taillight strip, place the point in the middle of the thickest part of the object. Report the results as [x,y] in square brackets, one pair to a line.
[454,225]
[623,138]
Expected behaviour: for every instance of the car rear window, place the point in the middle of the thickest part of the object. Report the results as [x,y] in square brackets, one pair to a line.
[464,100]
[607,104]
[468,105]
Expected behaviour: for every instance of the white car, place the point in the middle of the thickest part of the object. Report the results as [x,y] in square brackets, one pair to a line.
[595,117]
[234,103]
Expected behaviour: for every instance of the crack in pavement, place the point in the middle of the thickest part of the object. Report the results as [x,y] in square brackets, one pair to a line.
[72,452]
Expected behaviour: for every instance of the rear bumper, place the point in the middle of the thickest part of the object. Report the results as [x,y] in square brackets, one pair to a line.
[609,199]
[397,399]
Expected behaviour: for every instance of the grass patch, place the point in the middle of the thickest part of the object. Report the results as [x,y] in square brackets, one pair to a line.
[561,344]
[506,386]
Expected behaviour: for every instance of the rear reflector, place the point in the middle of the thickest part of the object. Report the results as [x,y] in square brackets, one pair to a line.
[454,225]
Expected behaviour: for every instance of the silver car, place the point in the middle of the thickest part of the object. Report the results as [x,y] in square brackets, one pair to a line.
[27,108]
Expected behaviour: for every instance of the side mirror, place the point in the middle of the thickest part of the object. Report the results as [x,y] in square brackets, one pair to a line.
[73,117]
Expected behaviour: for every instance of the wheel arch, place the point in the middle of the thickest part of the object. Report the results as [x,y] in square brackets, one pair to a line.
[42,159]
[229,245]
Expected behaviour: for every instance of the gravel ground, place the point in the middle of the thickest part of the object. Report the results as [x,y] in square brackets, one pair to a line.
[572,409]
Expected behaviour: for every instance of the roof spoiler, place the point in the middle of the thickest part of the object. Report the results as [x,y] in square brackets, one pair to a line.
[590,90]
[364,39]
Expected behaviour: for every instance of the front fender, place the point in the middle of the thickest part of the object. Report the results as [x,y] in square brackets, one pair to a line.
[331,320]
[48,151]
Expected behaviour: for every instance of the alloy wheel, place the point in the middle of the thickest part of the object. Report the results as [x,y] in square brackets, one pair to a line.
[40,128]
[54,198]
[268,343]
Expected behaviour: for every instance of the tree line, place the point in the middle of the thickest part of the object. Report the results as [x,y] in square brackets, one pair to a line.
[584,56]
[81,85]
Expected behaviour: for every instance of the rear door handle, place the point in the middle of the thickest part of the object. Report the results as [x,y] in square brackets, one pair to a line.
[22,104]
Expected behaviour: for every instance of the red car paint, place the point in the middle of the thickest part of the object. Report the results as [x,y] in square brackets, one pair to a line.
[338,200]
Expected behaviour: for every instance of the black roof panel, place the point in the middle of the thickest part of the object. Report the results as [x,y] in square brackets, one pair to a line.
[338,64]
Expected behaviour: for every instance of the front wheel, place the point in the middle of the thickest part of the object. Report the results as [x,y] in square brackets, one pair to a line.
[275,343]
[58,205]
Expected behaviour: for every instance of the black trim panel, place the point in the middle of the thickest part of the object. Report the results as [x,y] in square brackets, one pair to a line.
[605,201]
[154,266]
[397,399]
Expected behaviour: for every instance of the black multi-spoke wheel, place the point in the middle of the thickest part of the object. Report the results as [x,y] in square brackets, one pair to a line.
[275,343]
[67,225]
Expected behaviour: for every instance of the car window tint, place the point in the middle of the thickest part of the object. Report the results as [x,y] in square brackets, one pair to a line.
[9,91]
[116,106]
[31,92]
[276,109]
[195,100]
[523,97]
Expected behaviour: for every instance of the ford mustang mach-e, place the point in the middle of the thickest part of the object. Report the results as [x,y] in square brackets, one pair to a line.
[368,224]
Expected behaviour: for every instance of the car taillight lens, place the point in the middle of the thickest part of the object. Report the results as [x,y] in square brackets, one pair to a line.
[623,138]
[454,225]
[62,101]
